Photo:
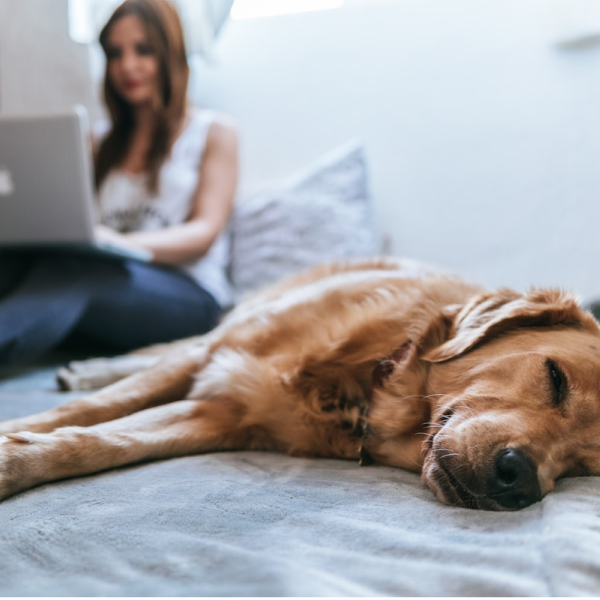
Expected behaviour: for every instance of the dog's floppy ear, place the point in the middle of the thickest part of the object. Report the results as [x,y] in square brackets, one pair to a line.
[490,314]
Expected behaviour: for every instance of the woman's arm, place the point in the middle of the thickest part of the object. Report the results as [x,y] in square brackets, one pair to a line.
[212,205]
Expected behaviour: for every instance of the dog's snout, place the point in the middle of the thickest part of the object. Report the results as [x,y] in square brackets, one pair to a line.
[513,482]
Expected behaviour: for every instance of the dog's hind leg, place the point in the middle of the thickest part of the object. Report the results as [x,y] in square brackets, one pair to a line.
[180,428]
[168,380]
[97,373]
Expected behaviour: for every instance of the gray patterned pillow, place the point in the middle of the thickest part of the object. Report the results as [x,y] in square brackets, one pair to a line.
[317,216]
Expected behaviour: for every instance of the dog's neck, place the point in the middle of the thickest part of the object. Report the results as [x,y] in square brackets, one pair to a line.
[394,425]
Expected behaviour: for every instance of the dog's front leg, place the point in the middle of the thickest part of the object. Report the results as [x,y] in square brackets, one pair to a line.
[168,380]
[184,427]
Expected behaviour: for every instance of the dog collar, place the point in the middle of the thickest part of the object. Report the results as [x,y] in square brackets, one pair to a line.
[364,457]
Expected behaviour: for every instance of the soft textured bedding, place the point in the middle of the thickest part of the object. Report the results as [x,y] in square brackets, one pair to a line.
[246,524]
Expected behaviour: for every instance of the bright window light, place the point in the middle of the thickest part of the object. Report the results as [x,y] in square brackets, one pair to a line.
[86,18]
[254,9]
[80,26]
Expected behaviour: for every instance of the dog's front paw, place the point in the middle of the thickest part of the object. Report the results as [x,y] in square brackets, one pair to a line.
[10,467]
[18,461]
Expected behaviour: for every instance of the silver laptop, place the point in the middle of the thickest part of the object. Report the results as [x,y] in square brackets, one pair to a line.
[46,191]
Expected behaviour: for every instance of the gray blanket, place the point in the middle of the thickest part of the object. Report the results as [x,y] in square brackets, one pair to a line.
[246,524]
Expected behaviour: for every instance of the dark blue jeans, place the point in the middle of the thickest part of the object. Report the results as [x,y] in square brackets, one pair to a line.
[46,297]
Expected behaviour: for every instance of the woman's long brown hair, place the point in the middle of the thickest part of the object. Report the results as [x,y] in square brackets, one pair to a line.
[165,35]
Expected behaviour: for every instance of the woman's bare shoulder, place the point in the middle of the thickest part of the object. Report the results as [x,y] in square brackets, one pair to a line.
[222,132]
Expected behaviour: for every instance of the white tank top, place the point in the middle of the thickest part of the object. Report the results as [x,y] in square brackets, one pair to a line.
[126,205]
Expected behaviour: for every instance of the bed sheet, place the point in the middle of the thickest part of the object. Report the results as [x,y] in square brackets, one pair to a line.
[260,524]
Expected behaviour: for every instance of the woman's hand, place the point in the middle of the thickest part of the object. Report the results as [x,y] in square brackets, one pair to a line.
[106,235]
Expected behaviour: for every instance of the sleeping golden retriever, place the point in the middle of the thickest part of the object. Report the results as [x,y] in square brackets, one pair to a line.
[491,396]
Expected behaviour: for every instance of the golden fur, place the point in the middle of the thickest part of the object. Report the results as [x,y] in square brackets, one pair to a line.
[491,396]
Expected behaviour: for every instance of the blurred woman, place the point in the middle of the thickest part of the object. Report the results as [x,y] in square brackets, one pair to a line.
[166,174]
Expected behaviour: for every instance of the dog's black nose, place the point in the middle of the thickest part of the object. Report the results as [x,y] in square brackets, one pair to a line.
[513,482]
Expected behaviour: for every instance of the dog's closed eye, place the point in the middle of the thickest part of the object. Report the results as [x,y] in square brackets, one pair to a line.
[446,416]
[558,383]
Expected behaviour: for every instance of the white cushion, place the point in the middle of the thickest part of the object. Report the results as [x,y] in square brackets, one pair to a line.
[319,215]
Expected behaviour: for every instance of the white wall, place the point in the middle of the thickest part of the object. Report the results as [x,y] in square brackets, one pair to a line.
[41,69]
[483,134]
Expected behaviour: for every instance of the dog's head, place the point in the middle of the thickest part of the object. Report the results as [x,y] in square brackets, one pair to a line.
[515,392]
